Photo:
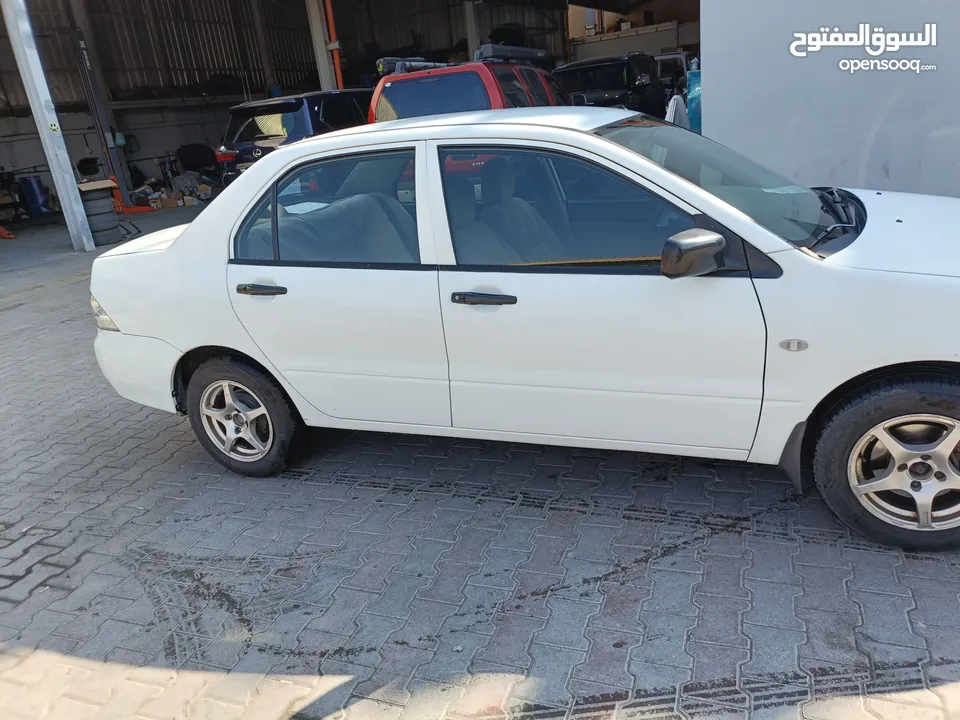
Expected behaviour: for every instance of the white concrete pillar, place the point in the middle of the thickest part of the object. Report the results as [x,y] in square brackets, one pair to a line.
[473,27]
[321,44]
[24,46]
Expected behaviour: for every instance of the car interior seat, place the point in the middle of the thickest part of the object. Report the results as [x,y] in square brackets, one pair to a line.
[474,242]
[522,228]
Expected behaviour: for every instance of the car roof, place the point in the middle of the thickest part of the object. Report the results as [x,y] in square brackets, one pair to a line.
[469,66]
[302,96]
[606,60]
[581,118]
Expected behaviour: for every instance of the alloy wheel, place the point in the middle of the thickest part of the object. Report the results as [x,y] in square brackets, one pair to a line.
[236,420]
[906,471]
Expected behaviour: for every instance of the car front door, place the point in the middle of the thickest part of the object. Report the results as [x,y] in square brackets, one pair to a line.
[558,322]
[328,277]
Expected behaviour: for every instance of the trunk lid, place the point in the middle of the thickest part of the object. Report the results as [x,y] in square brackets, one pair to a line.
[153,242]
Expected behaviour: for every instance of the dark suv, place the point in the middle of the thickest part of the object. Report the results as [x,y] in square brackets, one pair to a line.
[257,127]
[630,80]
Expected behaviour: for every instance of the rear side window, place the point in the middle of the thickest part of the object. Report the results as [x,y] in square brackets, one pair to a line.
[340,111]
[432,95]
[512,88]
[560,96]
[532,78]
[354,209]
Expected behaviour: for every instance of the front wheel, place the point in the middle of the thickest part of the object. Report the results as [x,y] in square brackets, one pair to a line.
[241,417]
[887,463]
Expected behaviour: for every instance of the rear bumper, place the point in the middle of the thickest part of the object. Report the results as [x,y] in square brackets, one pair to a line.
[139,368]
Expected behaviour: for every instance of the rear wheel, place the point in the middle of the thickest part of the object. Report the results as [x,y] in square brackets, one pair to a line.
[887,463]
[241,417]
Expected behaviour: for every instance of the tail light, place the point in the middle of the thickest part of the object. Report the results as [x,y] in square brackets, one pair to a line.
[224,155]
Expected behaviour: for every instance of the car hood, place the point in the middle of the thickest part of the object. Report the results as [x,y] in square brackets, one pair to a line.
[160,240]
[905,233]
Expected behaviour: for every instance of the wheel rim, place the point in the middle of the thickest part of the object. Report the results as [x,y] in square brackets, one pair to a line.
[236,420]
[906,471]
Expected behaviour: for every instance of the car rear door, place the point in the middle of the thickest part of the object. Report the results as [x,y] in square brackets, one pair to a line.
[335,282]
[567,331]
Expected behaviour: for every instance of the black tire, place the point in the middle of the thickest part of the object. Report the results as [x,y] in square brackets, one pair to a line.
[285,421]
[851,420]
[108,237]
[97,194]
[98,207]
[99,223]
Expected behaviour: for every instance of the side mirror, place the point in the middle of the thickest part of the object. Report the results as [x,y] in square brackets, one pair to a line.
[579,99]
[643,80]
[692,253]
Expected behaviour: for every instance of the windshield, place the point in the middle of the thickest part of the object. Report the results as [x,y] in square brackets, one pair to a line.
[793,212]
[596,77]
[265,123]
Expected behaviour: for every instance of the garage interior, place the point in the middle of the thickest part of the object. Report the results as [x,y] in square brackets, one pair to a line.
[162,74]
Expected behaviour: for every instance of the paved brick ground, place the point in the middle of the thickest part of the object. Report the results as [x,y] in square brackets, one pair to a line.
[413,577]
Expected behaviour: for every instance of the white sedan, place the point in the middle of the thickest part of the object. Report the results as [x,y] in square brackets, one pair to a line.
[571,276]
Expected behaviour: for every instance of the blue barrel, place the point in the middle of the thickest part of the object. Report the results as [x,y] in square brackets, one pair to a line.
[32,190]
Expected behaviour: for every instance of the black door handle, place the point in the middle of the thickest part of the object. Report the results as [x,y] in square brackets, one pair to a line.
[251,289]
[475,298]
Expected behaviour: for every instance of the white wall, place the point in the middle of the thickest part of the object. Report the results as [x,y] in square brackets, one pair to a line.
[819,125]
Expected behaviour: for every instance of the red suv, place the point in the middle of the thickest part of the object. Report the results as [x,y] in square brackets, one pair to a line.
[499,77]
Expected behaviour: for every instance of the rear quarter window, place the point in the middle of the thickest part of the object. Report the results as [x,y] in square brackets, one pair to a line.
[513,92]
[432,95]
[560,96]
[532,78]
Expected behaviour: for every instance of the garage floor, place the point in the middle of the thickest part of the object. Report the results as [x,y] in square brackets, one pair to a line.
[400,576]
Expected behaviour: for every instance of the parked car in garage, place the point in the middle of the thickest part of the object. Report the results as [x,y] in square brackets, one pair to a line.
[500,77]
[631,81]
[621,283]
[261,126]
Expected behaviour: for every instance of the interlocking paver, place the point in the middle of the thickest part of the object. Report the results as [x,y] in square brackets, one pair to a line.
[417,577]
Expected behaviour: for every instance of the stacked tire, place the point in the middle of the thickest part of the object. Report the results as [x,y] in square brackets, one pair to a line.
[104,223]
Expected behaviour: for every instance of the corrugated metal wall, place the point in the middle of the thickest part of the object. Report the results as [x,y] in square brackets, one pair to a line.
[209,48]
[436,25]
[203,47]
[51,28]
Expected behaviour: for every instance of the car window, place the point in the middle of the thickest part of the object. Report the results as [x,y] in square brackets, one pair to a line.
[671,68]
[518,207]
[560,96]
[532,78]
[266,122]
[432,95]
[358,209]
[793,212]
[254,241]
[608,76]
[340,112]
[513,92]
